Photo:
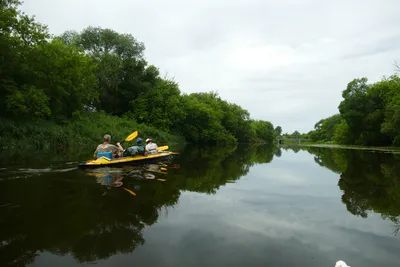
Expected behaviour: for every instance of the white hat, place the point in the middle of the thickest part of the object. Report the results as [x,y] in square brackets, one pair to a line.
[148,139]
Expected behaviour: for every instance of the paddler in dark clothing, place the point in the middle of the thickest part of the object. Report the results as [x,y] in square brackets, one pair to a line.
[139,149]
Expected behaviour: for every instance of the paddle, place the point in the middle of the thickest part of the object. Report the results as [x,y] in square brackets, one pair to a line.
[130,137]
[162,148]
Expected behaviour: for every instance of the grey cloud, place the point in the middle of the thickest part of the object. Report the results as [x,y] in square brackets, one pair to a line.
[370,49]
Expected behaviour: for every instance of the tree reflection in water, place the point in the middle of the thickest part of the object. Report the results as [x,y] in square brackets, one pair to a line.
[89,215]
[370,180]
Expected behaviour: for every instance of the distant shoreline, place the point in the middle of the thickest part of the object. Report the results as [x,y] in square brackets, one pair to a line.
[395,150]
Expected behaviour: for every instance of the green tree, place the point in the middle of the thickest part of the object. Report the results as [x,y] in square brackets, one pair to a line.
[278,130]
[66,75]
[342,134]
[296,134]
[19,35]
[202,122]
[28,102]
[237,121]
[160,106]
[40,78]
[369,115]
[370,111]
[98,41]
[390,90]
[355,106]
[122,73]
[325,128]
[264,131]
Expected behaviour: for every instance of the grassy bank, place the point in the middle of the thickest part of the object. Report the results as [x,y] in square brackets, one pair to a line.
[83,132]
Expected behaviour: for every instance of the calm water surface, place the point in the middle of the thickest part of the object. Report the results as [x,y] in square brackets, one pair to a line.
[234,206]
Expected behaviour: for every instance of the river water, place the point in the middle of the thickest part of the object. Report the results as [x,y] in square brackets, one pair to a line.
[209,206]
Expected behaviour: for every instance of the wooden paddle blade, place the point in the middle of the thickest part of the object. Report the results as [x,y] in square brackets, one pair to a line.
[162,148]
[131,136]
[161,180]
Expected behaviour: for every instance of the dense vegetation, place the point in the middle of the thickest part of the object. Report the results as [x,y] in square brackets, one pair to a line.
[369,115]
[77,135]
[60,81]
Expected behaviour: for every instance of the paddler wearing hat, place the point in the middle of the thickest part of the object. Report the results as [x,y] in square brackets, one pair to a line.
[151,147]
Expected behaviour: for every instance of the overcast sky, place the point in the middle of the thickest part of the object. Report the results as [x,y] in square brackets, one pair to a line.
[284,61]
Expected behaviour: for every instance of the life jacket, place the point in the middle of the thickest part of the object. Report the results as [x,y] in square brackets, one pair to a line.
[104,154]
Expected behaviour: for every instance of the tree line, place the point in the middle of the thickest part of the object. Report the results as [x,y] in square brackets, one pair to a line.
[56,78]
[369,115]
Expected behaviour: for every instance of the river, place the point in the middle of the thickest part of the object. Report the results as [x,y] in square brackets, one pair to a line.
[209,206]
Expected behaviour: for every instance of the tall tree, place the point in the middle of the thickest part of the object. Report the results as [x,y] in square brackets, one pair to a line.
[19,35]
[354,107]
[278,130]
[40,78]
[122,73]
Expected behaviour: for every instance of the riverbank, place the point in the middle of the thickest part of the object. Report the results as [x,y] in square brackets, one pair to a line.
[395,150]
[83,132]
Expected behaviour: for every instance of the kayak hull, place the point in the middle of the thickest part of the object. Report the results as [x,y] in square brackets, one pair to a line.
[102,162]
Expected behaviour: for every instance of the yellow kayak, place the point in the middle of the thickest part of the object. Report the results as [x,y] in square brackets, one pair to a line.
[103,161]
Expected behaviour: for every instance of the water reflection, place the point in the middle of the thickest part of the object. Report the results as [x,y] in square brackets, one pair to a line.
[370,181]
[94,214]
[67,213]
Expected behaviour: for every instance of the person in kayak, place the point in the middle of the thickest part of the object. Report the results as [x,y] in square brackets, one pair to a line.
[151,147]
[107,147]
[139,149]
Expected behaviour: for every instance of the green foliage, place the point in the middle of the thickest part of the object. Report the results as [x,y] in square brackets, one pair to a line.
[367,110]
[278,130]
[27,102]
[40,78]
[159,106]
[83,132]
[325,128]
[122,73]
[200,117]
[98,41]
[264,130]
[102,70]
[202,122]
[342,134]
[20,34]
[369,115]
[65,75]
